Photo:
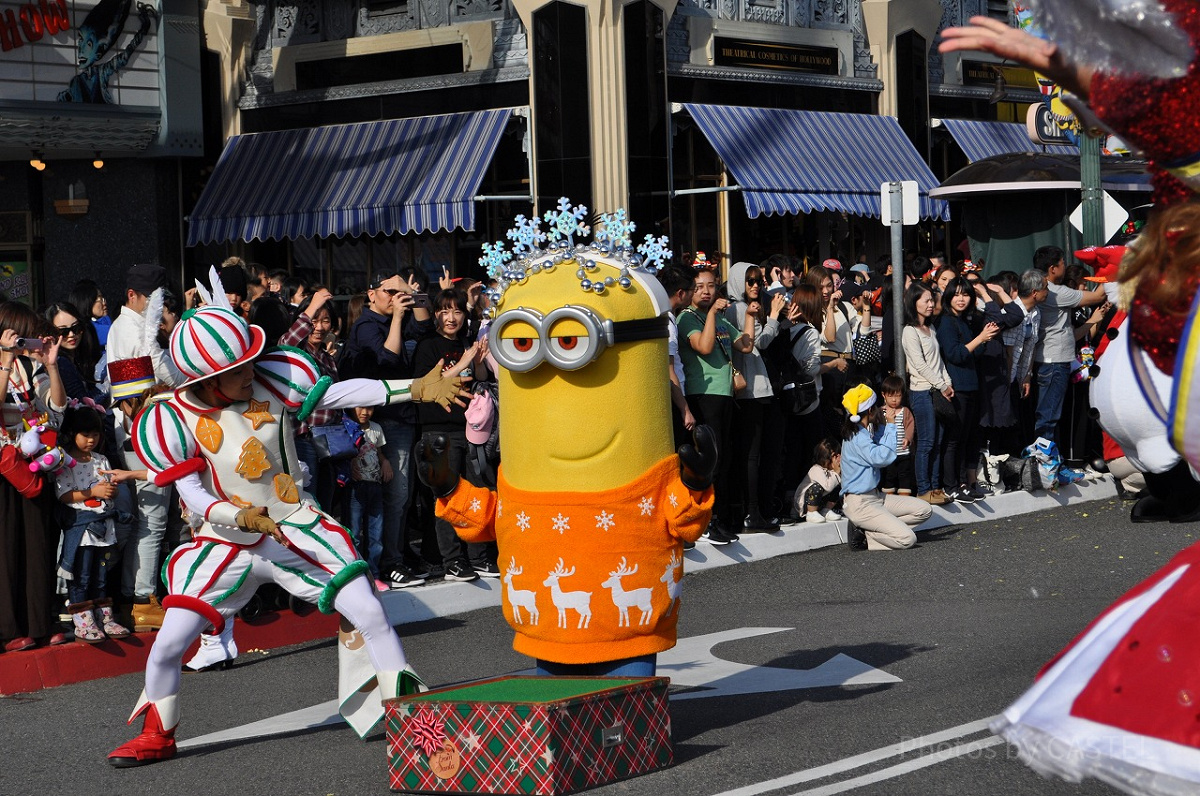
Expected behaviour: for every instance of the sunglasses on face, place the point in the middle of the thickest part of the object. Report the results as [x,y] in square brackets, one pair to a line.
[75,329]
[755,282]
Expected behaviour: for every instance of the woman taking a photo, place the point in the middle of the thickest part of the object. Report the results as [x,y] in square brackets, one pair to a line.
[962,334]
[926,375]
[804,425]
[31,392]
[756,421]
[78,353]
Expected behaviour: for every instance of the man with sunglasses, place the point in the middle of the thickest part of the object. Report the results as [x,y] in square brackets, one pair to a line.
[376,348]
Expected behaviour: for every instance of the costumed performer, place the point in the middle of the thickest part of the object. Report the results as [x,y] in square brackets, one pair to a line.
[225,440]
[1119,703]
[592,505]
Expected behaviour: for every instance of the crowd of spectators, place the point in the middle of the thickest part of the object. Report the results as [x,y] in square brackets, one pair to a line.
[764,359]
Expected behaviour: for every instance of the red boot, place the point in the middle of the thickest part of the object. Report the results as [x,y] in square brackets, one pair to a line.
[157,739]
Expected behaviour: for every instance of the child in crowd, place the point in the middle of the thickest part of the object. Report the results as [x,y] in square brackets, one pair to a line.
[369,471]
[867,446]
[898,477]
[817,495]
[87,493]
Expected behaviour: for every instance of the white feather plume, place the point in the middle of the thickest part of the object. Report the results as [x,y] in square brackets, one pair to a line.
[217,297]
[153,315]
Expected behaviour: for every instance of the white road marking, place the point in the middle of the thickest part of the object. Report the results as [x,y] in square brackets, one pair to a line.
[907,767]
[860,760]
[691,663]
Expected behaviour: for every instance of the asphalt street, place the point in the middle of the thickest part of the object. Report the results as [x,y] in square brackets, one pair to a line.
[964,620]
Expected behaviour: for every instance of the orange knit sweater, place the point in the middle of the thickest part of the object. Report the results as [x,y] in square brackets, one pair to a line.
[567,595]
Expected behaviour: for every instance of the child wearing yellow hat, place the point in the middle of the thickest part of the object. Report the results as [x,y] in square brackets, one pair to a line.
[868,446]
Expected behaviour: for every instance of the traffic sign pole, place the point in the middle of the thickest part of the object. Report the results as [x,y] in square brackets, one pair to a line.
[896,203]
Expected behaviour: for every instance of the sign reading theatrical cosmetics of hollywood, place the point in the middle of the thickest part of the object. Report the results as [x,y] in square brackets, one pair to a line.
[95,52]
[767,55]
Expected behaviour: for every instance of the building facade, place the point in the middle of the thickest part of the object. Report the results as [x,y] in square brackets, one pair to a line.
[340,139]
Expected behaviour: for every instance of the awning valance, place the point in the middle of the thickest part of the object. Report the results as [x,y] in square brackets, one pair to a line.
[980,140]
[393,176]
[788,161]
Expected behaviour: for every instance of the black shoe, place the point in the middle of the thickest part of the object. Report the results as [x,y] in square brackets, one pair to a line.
[689,545]
[755,522]
[715,536]
[486,570]
[963,494]
[461,572]
[402,578]
[726,531]
[856,538]
[1150,509]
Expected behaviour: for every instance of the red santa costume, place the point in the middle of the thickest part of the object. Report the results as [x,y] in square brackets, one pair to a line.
[234,456]
[1122,702]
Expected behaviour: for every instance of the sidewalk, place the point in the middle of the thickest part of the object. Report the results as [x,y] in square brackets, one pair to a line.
[23,672]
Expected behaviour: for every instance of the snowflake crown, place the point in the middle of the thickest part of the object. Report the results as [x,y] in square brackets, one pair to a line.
[612,240]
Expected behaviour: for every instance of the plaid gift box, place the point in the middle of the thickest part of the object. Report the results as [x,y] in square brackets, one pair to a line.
[528,735]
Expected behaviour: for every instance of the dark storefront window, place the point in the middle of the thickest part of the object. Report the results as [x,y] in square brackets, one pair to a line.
[648,117]
[912,90]
[560,80]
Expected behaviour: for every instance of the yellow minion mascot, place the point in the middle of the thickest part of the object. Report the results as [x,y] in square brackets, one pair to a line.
[592,506]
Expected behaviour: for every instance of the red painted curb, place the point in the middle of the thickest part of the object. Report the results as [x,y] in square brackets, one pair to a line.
[50,667]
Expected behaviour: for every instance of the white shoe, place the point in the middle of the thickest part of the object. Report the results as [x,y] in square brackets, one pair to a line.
[216,652]
[814,516]
[833,516]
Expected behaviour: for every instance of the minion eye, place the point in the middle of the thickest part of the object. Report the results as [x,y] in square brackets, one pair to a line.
[572,339]
[523,353]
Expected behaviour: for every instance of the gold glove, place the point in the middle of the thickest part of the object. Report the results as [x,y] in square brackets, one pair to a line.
[433,388]
[255,520]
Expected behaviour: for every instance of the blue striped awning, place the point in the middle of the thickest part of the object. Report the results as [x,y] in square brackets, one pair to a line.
[981,140]
[399,175]
[789,161]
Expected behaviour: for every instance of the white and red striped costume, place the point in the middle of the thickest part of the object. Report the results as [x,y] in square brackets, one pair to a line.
[223,459]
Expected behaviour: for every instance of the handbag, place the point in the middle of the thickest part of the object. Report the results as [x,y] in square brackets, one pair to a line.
[943,410]
[15,469]
[739,381]
[797,396]
[867,351]
[336,442]
[797,391]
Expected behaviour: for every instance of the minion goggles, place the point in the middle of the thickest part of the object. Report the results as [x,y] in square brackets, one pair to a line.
[568,338]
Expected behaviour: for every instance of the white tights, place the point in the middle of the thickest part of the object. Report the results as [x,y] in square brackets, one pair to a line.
[356,601]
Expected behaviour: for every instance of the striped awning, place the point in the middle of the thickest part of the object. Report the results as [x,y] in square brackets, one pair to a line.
[981,140]
[394,176]
[789,161]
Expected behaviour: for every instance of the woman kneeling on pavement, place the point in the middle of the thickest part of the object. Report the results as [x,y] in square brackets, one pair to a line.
[868,446]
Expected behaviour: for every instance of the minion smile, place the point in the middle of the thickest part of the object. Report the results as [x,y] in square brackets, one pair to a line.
[579,457]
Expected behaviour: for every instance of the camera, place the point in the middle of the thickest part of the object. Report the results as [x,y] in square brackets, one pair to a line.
[29,343]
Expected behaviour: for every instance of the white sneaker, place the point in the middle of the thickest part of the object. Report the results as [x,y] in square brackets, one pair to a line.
[814,516]
[216,652]
[833,516]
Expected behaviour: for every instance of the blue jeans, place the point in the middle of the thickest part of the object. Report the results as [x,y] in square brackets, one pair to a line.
[397,494]
[366,503]
[928,466]
[1052,380]
[139,573]
[644,666]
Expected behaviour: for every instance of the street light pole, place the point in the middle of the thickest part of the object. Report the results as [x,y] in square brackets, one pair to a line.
[1093,195]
